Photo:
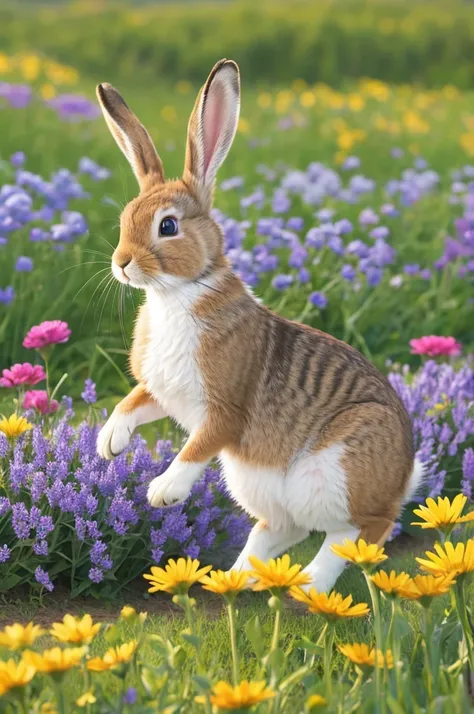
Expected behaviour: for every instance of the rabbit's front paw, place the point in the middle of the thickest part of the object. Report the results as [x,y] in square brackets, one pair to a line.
[166,490]
[115,435]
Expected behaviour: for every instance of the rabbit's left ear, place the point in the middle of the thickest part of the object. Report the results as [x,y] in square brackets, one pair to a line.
[212,128]
[131,136]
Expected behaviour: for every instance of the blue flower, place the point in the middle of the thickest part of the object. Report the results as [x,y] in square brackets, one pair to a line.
[17,159]
[348,272]
[24,264]
[6,295]
[89,394]
[318,299]
[282,282]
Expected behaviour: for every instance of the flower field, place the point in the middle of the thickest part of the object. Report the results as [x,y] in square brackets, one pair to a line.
[350,209]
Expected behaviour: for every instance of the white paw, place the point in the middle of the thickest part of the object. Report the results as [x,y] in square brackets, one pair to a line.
[319,581]
[166,490]
[114,436]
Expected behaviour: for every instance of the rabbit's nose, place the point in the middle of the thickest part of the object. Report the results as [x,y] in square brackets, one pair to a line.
[123,264]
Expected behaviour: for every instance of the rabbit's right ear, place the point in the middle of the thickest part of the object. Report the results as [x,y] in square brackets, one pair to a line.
[212,128]
[131,136]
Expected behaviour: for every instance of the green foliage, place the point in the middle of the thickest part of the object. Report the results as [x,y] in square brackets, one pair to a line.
[328,40]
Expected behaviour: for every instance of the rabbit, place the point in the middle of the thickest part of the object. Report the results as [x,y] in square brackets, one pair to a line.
[309,434]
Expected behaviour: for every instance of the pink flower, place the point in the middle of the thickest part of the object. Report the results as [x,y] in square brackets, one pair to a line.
[37,399]
[48,333]
[435,346]
[22,374]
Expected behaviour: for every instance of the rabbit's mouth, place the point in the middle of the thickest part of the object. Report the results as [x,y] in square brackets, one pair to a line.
[129,274]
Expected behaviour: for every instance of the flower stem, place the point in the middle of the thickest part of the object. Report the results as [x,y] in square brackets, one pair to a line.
[233,643]
[380,703]
[464,619]
[328,648]
[427,643]
[393,641]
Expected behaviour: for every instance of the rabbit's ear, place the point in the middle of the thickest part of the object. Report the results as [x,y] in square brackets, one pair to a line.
[132,138]
[212,128]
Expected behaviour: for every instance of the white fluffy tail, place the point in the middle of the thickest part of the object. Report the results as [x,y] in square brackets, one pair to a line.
[416,480]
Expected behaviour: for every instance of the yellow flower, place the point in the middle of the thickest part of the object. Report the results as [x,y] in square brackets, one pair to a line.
[15,674]
[47,91]
[169,113]
[330,606]
[243,696]
[128,612]
[449,560]
[443,514]
[277,573]
[220,582]
[363,656]
[315,700]
[424,587]
[114,657]
[85,699]
[30,66]
[390,583]
[16,636]
[264,100]
[184,87]
[243,126]
[14,426]
[307,99]
[361,552]
[55,659]
[75,630]
[48,708]
[177,576]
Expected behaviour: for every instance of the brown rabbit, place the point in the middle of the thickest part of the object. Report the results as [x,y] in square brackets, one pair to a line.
[309,434]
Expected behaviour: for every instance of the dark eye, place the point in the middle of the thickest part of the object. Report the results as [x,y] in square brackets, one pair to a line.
[168,227]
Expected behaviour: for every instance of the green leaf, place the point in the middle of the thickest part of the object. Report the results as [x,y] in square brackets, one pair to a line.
[202,683]
[306,644]
[394,706]
[191,639]
[253,630]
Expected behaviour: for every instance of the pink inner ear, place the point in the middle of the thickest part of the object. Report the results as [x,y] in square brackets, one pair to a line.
[213,121]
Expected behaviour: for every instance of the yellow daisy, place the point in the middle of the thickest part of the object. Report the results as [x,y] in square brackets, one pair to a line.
[114,657]
[361,655]
[176,576]
[332,606]
[16,636]
[223,583]
[243,696]
[55,659]
[14,426]
[443,514]
[75,630]
[390,583]
[361,553]
[277,574]
[127,612]
[15,674]
[425,587]
[315,700]
[450,559]
[85,699]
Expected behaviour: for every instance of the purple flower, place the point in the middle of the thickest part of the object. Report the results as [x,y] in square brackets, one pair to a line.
[96,172]
[20,521]
[282,282]
[304,275]
[388,209]
[24,264]
[17,159]
[318,299]
[425,274]
[295,223]
[43,579]
[5,553]
[89,394]
[351,163]
[397,153]
[348,272]
[379,232]
[411,269]
[343,226]
[374,276]
[130,696]
[368,217]
[6,295]
[315,238]
[73,107]
[96,575]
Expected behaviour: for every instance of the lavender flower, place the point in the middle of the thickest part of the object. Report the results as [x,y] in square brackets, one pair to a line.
[43,579]
[89,395]
[319,300]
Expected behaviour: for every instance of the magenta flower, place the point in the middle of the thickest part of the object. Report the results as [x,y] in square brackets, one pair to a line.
[22,374]
[435,346]
[38,399]
[47,333]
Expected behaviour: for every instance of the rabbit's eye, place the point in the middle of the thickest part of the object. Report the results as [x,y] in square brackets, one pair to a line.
[168,226]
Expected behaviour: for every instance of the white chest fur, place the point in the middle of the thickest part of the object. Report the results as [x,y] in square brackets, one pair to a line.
[169,368]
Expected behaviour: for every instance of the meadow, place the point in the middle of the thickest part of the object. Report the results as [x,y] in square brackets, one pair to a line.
[349,208]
